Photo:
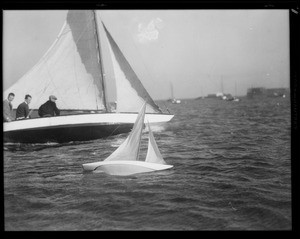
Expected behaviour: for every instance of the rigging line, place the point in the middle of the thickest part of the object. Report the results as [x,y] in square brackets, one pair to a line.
[44,59]
[140,136]
[51,80]
[76,79]
[90,19]
[100,62]
[76,41]
[139,146]
[113,131]
[42,93]
[148,72]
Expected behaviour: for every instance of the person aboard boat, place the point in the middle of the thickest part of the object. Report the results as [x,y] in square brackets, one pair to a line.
[23,109]
[49,108]
[8,108]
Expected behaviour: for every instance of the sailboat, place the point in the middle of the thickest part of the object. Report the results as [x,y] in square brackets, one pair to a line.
[125,159]
[173,99]
[235,97]
[73,70]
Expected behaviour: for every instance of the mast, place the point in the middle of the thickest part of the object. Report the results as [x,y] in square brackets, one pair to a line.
[222,89]
[172,93]
[100,61]
[235,88]
[140,136]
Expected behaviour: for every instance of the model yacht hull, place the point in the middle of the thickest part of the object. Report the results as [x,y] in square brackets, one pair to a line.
[124,168]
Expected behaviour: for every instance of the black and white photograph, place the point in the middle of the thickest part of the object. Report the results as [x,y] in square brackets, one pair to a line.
[147,120]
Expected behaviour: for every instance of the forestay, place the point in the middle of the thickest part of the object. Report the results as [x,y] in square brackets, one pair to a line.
[131,94]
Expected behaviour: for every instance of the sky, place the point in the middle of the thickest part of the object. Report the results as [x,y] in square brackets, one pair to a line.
[199,52]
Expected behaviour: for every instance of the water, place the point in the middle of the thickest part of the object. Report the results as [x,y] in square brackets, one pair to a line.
[232,171]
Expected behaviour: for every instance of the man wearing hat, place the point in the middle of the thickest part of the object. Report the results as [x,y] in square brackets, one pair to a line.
[49,108]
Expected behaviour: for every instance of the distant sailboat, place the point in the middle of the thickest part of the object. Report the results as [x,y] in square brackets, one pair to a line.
[73,70]
[235,98]
[200,97]
[222,95]
[173,99]
[125,159]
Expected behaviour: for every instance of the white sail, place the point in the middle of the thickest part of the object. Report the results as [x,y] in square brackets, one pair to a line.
[131,94]
[69,70]
[124,161]
[129,149]
[153,153]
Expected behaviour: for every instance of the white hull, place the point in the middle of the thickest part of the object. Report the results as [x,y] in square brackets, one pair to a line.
[124,168]
[83,119]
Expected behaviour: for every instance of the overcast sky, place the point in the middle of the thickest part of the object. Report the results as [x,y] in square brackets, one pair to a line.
[196,50]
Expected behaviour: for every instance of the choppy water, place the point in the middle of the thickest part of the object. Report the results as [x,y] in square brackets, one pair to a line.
[232,171]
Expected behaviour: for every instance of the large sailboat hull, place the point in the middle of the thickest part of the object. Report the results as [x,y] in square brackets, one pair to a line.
[82,127]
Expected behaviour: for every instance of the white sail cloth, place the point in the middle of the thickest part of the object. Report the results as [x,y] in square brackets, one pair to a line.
[125,159]
[131,93]
[71,70]
[129,149]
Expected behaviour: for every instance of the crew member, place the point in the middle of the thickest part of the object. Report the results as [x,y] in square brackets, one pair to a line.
[23,109]
[49,108]
[8,108]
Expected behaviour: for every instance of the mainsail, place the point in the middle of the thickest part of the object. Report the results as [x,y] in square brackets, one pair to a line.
[69,69]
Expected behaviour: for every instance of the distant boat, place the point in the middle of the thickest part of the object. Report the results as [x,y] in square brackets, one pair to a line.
[221,95]
[73,70]
[125,159]
[235,97]
[173,100]
[176,101]
[200,97]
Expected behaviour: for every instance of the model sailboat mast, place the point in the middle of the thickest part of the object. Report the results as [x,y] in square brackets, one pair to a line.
[101,63]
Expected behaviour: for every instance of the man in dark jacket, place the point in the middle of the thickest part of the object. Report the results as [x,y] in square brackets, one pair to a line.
[23,109]
[49,108]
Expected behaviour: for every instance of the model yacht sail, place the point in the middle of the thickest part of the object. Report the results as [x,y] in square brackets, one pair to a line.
[73,70]
[125,159]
